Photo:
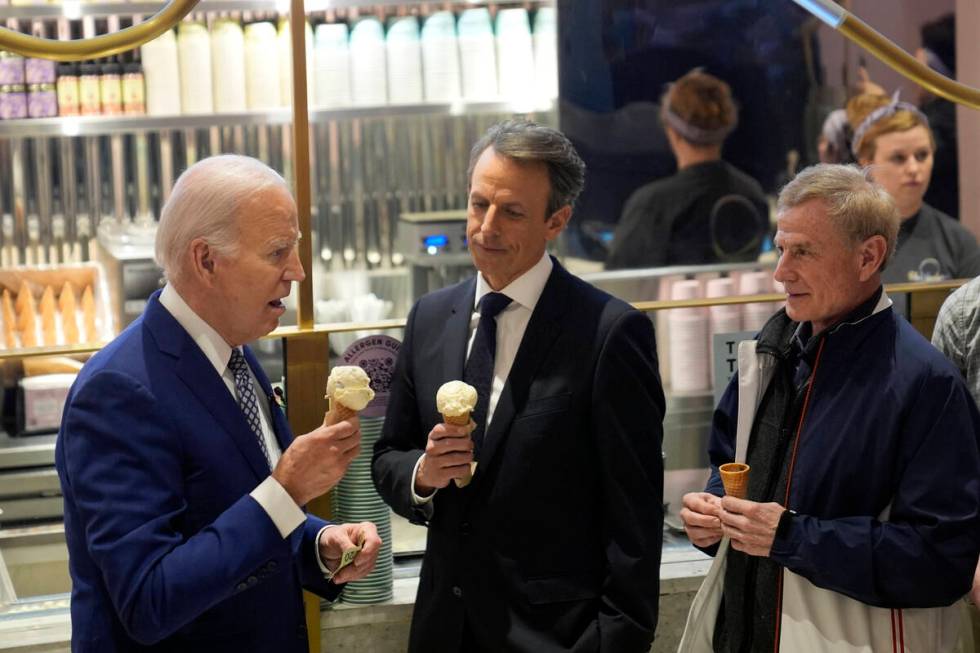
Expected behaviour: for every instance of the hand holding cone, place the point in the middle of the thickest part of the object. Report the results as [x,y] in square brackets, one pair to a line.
[735,478]
[455,401]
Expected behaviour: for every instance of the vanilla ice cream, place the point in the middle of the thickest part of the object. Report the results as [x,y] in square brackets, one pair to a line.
[350,386]
[455,399]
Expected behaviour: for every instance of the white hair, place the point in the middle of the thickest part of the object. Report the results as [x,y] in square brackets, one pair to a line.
[206,203]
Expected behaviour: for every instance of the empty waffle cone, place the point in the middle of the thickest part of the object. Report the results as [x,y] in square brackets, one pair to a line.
[88,315]
[66,306]
[735,478]
[9,319]
[48,308]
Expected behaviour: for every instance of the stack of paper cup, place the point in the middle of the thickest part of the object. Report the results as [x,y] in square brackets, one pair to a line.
[262,90]
[688,341]
[546,53]
[404,49]
[721,319]
[228,66]
[515,54]
[286,62]
[477,55]
[440,58]
[332,66]
[194,54]
[755,316]
[369,76]
[161,71]
[356,500]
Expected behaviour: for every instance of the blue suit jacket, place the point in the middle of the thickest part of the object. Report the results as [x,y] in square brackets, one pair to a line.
[167,550]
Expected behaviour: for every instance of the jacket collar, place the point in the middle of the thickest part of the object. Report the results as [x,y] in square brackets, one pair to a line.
[204,381]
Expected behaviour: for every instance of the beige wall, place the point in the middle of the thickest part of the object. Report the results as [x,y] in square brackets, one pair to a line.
[968,120]
[899,20]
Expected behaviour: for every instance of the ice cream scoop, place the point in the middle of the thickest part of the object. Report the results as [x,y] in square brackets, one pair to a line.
[455,401]
[348,391]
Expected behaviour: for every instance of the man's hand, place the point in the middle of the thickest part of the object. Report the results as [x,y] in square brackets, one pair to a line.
[700,517]
[750,525]
[337,539]
[314,463]
[448,454]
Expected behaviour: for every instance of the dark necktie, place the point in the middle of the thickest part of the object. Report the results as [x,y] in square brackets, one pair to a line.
[247,400]
[479,365]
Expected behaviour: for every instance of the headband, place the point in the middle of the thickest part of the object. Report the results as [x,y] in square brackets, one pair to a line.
[694,134]
[880,114]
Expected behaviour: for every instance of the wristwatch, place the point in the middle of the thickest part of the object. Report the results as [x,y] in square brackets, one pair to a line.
[784,521]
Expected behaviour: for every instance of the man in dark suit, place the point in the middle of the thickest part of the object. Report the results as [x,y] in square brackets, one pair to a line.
[179,537]
[555,544]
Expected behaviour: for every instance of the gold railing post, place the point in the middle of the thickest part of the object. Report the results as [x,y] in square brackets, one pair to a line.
[306,359]
[306,356]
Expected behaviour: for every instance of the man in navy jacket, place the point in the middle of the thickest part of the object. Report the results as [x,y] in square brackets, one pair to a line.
[864,451]
[183,483]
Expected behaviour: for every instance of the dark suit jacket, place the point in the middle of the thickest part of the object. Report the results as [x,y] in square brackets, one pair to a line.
[167,550]
[555,545]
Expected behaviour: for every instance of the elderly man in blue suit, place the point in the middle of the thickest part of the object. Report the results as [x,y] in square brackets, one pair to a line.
[183,484]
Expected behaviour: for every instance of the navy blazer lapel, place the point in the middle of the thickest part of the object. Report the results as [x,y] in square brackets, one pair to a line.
[541,334]
[458,331]
[280,426]
[199,375]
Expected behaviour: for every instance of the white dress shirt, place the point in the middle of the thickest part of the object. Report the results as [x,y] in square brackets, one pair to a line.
[269,494]
[524,291]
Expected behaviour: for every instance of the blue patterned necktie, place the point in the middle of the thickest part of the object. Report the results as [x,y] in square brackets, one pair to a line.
[247,400]
[479,366]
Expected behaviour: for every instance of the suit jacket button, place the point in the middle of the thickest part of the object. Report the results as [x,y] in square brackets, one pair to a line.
[457,591]
[252,580]
[464,528]
[272,565]
[241,587]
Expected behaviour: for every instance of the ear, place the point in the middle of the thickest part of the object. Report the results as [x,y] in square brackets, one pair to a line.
[202,260]
[557,222]
[871,255]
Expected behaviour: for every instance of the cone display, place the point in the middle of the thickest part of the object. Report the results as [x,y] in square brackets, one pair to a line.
[735,478]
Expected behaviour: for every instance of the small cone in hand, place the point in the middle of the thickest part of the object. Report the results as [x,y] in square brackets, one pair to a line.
[735,478]
[348,392]
[455,401]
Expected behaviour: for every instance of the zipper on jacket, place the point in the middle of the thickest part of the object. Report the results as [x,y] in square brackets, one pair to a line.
[789,482]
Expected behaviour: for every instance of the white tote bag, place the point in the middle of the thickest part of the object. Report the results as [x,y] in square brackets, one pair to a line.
[700,627]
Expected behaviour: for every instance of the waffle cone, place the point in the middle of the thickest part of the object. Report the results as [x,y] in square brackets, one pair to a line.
[337,413]
[457,420]
[735,478]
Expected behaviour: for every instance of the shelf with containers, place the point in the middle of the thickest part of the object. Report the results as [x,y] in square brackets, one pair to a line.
[398,92]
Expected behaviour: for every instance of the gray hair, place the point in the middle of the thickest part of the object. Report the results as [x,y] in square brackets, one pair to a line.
[205,203]
[527,141]
[858,206]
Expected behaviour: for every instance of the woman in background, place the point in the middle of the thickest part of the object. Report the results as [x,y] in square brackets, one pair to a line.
[709,211]
[894,138]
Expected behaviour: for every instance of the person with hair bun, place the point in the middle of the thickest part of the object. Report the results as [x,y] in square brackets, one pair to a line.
[895,140]
[709,211]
